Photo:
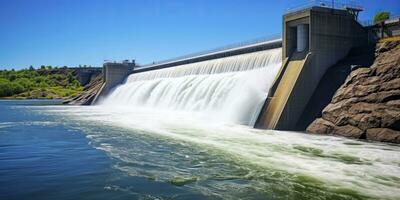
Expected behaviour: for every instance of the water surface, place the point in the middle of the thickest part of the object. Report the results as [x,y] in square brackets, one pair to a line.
[74,152]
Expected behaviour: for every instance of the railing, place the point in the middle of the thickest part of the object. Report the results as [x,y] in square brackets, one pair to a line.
[327,4]
[227,47]
[371,22]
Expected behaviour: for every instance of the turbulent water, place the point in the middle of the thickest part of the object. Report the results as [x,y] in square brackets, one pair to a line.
[229,89]
[137,154]
[183,133]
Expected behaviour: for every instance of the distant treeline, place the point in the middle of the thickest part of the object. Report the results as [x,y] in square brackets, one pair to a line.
[46,82]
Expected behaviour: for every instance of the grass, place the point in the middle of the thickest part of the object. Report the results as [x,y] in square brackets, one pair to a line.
[390,39]
[55,92]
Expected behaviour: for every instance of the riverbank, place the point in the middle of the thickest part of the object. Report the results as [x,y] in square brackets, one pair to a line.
[367,105]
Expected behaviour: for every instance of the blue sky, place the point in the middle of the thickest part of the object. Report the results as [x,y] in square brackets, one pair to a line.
[73,32]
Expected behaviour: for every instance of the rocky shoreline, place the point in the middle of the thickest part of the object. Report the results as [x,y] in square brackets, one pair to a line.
[367,105]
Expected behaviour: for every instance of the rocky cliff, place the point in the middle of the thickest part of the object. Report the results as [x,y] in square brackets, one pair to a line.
[367,105]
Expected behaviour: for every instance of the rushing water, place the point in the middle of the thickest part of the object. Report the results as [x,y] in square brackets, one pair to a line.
[73,152]
[184,133]
[231,89]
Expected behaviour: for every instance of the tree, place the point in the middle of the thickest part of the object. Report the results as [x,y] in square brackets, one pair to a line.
[25,83]
[31,68]
[381,16]
[12,77]
[70,78]
[42,67]
[5,88]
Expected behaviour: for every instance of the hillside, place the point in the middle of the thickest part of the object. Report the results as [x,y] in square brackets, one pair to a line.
[44,83]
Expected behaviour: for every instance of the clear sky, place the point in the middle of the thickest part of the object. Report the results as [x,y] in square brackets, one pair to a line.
[73,32]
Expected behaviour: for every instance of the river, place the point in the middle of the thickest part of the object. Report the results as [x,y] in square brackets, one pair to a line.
[51,151]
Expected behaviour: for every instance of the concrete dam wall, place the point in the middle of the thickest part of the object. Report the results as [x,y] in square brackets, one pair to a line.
[260,84]
[231,89]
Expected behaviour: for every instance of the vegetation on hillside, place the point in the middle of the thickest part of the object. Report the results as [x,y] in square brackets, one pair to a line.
[381,16]
[46,82]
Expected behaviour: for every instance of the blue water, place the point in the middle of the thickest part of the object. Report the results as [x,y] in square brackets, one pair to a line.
[51,151]
[43,159]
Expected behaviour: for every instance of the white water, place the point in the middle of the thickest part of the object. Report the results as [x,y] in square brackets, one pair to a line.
[337,164]
[230,89]
[188,102]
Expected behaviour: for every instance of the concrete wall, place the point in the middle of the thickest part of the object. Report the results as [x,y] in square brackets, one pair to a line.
[85,74]
[332,33]
[114,74]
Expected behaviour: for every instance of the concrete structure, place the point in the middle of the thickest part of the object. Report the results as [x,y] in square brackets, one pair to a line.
[84,74]
[331,35]
[302,37]
[248,47]
[113,75]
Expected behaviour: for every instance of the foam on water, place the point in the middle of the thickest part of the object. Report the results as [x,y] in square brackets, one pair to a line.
[202,108]
[329,163]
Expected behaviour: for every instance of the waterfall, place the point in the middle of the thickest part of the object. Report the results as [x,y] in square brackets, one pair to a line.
[231,89]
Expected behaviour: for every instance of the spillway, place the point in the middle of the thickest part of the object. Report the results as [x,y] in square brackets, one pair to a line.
[231,89]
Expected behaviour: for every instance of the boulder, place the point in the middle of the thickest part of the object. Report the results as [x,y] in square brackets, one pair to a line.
[321,126]
[383,135]
[367,105]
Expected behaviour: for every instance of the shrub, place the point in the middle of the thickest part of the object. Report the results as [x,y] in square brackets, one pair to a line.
[381,16]
[33,83]
[17,88]
[5,88]
[24,82]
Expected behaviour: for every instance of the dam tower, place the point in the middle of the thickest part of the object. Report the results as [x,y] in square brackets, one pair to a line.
[313,39]
[113,74]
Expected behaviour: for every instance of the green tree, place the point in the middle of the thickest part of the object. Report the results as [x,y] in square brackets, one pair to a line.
[12,77]
[24,82]
[70,78]
[17,88]
[5,88]
[28,82]
[381,16]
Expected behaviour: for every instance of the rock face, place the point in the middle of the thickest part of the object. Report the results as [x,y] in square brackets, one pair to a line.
[367,105]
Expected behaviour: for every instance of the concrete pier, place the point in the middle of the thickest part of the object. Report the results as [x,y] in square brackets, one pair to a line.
[113,75]
[331,35]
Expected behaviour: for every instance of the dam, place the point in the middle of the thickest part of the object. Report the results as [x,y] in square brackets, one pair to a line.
[264,84]
[236,122]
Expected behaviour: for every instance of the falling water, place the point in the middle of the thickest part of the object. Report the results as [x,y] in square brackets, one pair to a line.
[161,129]
[230,89]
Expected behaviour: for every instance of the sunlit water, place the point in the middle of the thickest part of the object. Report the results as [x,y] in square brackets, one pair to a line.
[101,152]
